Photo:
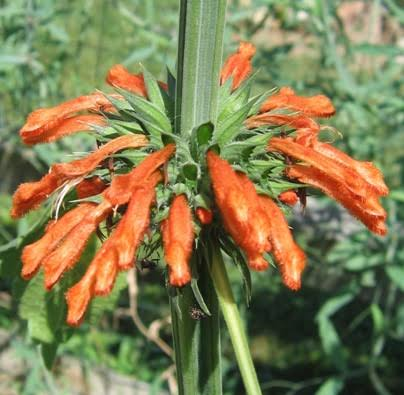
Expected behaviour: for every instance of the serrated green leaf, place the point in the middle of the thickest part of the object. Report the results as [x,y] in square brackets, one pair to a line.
[153,90]
[228,129]
[147,111]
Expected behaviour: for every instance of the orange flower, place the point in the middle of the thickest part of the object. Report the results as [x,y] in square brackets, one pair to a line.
[315,106]
[238,66]
[294,121]
[117,253]
[204,215]
[178,239]
[90,187]
[30,195]
[289,197]
[368,210]
[237,201]
[69,249]
[66,127]
[288,255]
[41,122]
[118,76]
[121,186]
[355,185]
[33,254]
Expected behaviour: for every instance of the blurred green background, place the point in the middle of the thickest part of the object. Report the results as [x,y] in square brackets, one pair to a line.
[343,333]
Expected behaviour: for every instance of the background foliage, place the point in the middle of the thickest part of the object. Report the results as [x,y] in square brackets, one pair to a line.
[344,332]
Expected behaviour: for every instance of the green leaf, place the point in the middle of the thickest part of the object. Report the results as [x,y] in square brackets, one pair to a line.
[154,90]
[377,317]
[230,127]
[396,274]
[332,386]
[199,297]
[48,352]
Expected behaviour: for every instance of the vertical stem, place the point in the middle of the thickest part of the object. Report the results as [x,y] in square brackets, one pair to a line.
[200,45]
[234,324]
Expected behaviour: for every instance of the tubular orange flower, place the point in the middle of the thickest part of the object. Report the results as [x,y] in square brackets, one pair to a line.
[119,192]
[79,167]
[178,239]
[33,254]
[294,121]
[238,66]
[66,127]
[90,187]
[237,200]
[41,121]
[336,170]
[368,210]
[288,255]
[69,250]
[289,197]
[315,106]
[30,195]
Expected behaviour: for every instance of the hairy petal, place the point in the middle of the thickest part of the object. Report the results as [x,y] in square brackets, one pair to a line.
[33,254]
[65,127]
[83,166]
[178,239]
[334,169]
[68,252]
[369,211]
[122,186]
[79,296]
[367,170]
[30,195]
[90,187]
[119,251]
[238,65]
[294,121]
[288,255]
[44,119]
[315,106]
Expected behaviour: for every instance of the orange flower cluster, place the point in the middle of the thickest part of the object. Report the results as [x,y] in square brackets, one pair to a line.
[255,223]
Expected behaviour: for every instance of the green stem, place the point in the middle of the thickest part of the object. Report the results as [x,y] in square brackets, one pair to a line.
[233,321]
[200,42]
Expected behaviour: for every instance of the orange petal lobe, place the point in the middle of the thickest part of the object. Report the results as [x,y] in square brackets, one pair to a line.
[315,106]
[30,195]
[238,66]
[118,76]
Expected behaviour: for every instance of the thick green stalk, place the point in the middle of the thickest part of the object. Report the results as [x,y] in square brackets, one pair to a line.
[234,324]
[200,47]
[200,42]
